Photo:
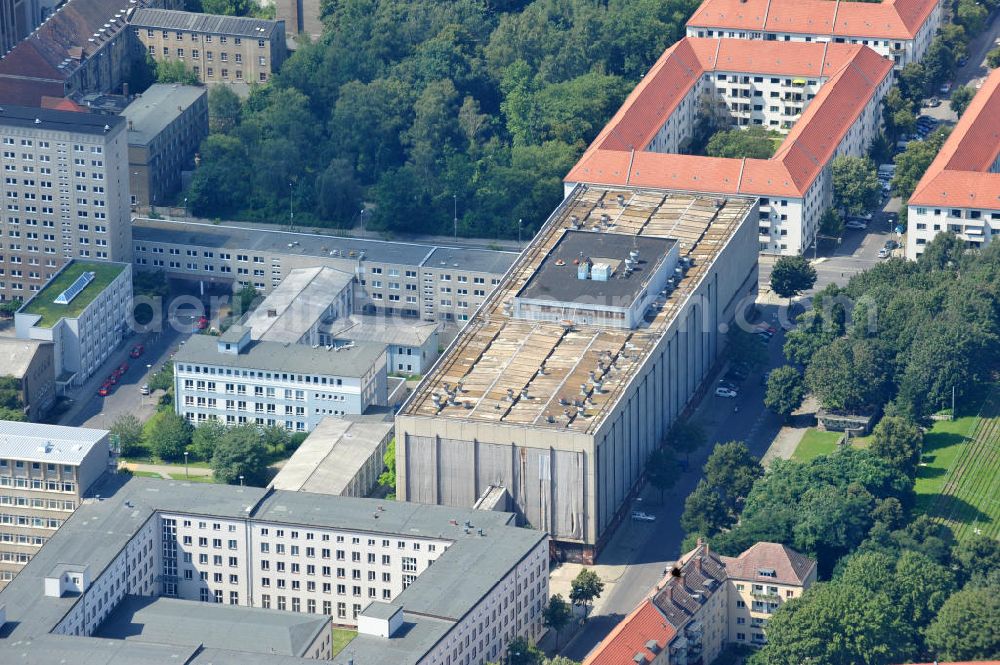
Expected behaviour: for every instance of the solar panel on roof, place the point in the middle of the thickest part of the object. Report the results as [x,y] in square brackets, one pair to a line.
[81,282]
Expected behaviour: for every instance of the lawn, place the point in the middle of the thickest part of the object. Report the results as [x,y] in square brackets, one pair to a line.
[341,638]
[146,474]
[192,478]
[958,482]
[815,443]
[41,304]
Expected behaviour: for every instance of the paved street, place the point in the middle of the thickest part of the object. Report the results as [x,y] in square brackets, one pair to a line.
[640,551]
[91,410]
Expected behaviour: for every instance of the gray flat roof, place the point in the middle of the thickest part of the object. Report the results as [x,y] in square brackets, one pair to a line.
[379,610]
[297,304]
[98,531]
[228,627]
[236,237]
[55,444]
[168,19]
[16,355]
[333,453]
[385,329]
[277,357]
[415,637]
[556,278]
[59,121]
[152,111]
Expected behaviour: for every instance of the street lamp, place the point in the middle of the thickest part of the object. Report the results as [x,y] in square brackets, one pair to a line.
[186,464]
[291,210]
[185,206]
[519,222]
[362,222]
[455,218]
[241,481]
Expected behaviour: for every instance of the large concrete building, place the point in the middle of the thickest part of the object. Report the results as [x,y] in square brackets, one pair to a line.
[166,125]
[410,280]
[218,49]
[573,370]
[900,30]
[45,470]
[84,311]
[65,193]
[398,572]
[705,603]
[83,47]
[960,191]
[301,17]
[235,380]
[826,95]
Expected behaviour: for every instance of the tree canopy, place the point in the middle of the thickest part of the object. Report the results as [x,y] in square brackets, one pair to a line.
[856,188]
[240,452]
[792,275]
[785,390]
[752,142]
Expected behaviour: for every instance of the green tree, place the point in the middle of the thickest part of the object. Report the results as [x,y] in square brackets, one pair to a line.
[791,276]
[167,435]
[521,652]
[913,81]
[241,453]
[856,188]
[938,62]
[163,379]
[971,15]
[732,470]
[831,224]
[977,556]
[228,7]
[785,390]
[968,626]
[961,98]
[837,624]
[686,437]
[387,478]
[221,185]
[10,393]
[128,430]
[338,193]
[744,348]
[913,162]
[205,438]
[557,615]
[993,58]
[585,588]
[661,470]
[848,375]
[175,71]
[705,511]
[899,442]
[753,143]
[224,108]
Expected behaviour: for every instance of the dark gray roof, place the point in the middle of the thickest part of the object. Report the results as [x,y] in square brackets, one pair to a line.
[284,357]
[99,530]
[239,26]
[229,627]
[59,121]
[559,283]
[335,249]
[153,111]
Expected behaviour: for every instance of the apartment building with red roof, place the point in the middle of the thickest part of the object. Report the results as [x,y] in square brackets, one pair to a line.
[960,191]
[705,602]
[826,97]
[900,30]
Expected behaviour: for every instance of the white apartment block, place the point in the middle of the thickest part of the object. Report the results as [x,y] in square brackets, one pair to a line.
[705,603]
[45,470]
[235,548]
[898,30]
[237,380]
[824,96]
[65,194]
[960,191]
[84,310]
[392,279]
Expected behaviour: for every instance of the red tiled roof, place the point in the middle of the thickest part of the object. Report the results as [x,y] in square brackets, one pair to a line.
[631,636]
[789,566]
[891,19]
[61,104]
[618,156]
[959,175]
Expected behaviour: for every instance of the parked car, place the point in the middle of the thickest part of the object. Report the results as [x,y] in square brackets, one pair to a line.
[884,253]
[202,322]
[122,368]
[112,380]
[104,391]
[640,516]
[729,385]
[725,392]
[945,88]
[137,351]
[855,224]
[963,61]
[933,102]
[891,244]
[144,390]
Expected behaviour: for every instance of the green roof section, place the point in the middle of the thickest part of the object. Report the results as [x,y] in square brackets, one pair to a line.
[44,305]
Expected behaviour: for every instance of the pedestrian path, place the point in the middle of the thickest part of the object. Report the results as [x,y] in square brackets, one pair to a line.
[165,470]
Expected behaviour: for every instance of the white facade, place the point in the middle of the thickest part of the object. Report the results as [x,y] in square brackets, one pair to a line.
[976,226]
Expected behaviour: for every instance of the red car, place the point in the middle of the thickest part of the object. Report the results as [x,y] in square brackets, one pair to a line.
[202,323]
[104,390]
[122,368]
[136,351]
[112,380]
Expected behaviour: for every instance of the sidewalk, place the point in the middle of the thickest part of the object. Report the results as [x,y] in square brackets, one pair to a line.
[166,469]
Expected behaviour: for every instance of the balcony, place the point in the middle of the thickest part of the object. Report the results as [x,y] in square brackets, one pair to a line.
[766,596]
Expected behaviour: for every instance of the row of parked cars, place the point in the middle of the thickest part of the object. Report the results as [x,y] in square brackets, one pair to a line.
[109,383]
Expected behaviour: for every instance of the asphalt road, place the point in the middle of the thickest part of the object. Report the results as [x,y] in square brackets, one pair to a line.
[648,548]
[91,410]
